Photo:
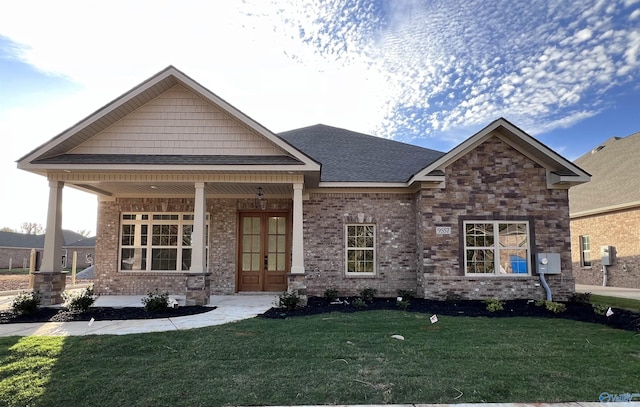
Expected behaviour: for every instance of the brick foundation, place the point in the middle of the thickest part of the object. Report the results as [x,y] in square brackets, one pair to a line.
[198,289]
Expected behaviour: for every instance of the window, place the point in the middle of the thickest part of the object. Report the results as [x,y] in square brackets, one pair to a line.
[156,242]
[585,251]
[361,252]
[496,247]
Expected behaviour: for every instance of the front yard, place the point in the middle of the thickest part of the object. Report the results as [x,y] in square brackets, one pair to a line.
[327,359]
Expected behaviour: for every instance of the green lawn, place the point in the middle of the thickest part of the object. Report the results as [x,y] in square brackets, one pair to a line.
[616,302]
[326,359]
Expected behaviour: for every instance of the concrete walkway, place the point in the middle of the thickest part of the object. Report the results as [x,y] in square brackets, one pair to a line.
[230,308]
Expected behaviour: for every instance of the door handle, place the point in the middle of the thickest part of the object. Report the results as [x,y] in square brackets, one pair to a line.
[266,262]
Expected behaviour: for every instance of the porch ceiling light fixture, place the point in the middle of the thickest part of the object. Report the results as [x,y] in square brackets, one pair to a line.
[261,201]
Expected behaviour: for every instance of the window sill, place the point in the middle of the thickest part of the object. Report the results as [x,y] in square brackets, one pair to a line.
[360,275]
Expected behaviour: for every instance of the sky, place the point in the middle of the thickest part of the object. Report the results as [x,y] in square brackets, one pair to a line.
[429,73]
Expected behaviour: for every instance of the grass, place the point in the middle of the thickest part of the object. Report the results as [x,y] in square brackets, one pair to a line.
[326,359]
[616,302]
[14,271]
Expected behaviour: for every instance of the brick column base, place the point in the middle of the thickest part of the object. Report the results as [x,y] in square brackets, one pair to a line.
[298,285]
[198,289]
[49,286]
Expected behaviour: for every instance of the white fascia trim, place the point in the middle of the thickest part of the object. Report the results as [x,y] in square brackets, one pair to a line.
[604,210]
[325,184]
[164,168]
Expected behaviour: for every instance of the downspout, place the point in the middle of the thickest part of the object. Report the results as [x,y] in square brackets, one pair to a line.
[604,275]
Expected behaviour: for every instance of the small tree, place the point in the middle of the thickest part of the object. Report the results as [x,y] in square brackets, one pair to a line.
[31,228]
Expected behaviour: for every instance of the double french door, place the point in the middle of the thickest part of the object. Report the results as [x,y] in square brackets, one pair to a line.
[264,252]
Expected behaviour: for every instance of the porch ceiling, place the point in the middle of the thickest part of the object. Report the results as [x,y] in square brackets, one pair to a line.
[183,189]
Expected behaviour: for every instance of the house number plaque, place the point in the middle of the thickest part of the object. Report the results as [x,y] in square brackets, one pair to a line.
[443,230]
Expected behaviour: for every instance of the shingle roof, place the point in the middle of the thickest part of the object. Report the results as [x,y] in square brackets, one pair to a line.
[143,159]
[29,241]
[347,156]
[613,166]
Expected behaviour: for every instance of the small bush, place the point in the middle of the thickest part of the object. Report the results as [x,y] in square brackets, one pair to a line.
[494,304]
[581,298]
[600,309]
[404,304]
[359,303]
[25,303]
[552,306]
[331,294]
[289,301]
[368,294]
[407,294]
[79,301]
[156,301]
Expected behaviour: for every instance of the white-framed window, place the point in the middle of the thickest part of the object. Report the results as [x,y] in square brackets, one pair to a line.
[157,241]
[497,248]
[585,251]
[360,240]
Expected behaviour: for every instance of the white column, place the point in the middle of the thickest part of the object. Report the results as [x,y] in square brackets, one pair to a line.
[52,258]
[297,247]
[198,238]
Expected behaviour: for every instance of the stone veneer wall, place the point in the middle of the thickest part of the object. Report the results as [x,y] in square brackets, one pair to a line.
[325,217]
[493,182]
[221,256]
[620,229]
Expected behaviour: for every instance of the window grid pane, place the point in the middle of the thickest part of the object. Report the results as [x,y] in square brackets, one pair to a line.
[168,248]
[496,248]
[360,242]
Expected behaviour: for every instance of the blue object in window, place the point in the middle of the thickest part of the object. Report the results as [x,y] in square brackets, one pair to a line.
[518,264]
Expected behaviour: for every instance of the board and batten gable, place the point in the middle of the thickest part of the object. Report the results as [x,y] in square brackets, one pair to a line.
[178,122]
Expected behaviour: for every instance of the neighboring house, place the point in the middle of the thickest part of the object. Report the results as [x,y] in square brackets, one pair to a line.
[196,198]
[15,249]
[605,215]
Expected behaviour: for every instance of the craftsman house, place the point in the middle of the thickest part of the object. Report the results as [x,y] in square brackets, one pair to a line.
[196,198]
[605,215]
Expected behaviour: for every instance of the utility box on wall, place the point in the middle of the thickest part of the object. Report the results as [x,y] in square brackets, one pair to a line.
[607,255]
[548,263]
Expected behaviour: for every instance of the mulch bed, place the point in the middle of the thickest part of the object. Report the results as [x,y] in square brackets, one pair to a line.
[621,319]
[46,314]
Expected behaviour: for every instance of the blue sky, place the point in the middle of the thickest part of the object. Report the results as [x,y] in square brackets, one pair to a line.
[431,73]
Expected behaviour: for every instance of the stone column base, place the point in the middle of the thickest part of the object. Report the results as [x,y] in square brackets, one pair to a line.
[298,285]
[49,286]
[198,289]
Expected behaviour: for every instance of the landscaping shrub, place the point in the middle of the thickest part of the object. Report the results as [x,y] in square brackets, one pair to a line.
[368,294]
[494,304]
[289,301]
[330,294]
[25,303]
[359,303]
[552,306]
[156,301]
[407,295]
[79,301]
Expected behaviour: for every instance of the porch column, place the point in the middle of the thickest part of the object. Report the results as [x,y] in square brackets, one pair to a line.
[198,238]
[50,281]
[198,288]
[52,258]
[297,247]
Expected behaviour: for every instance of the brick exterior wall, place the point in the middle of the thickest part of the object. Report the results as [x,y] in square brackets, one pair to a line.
[222,260]
[325,217]
[620,229]
[493,182]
